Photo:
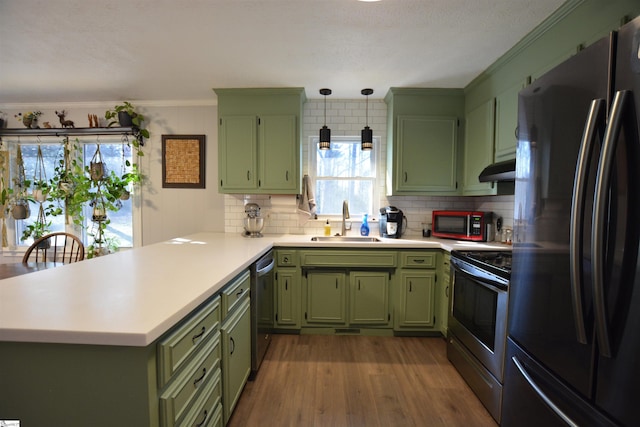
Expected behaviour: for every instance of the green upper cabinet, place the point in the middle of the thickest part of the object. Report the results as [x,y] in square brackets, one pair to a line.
[507,122]
[426,152]
[422,141]
[259,136]
[279,159]
[479,148]
[238,146]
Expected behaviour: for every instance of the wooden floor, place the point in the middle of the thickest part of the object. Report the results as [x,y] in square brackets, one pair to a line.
[340,381]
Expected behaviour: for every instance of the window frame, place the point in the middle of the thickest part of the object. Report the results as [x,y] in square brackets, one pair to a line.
[16,247]
[375,180]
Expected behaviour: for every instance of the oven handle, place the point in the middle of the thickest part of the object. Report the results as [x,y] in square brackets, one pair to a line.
[487,283]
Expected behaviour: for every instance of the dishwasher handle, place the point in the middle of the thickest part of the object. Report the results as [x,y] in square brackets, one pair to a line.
[265,270]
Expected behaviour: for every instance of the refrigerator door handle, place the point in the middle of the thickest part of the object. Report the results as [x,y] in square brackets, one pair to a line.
[598,227]
[541,393]
[595,117]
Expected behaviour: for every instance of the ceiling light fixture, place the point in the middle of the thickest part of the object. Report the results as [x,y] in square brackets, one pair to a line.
[325,132]
[367,133]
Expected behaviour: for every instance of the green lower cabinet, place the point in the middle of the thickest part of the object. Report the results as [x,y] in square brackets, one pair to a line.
[287,301]
[369,298]
[326,298]
[443,292]
[236,356]
[415,300]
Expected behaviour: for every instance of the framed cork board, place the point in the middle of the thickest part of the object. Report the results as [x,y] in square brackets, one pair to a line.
[183,161]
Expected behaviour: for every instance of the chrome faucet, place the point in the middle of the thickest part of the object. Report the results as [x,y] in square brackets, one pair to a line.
[345,216]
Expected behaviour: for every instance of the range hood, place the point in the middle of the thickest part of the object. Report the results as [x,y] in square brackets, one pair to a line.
[501,171]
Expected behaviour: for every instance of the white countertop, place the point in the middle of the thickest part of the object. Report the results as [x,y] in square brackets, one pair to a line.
[132,297]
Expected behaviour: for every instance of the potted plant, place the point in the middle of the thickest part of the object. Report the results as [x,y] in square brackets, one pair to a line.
[121,114]
[39,228]
[29,119]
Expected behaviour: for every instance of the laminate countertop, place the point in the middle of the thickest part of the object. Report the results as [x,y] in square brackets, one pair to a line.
[132,297]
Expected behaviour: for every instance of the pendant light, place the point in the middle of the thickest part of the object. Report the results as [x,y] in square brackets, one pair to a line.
[325,132]
[367,133]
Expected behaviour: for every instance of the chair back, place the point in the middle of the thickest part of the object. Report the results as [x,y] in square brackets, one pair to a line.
[58,247]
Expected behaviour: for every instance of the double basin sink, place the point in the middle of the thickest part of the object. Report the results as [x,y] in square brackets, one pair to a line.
[344,239]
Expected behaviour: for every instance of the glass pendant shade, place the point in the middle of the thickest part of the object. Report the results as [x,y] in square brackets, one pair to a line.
[325,132]
[367,133]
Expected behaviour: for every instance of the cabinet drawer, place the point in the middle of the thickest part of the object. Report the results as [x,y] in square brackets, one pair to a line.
[207,408]
[336,258]
[286,258]
[232,294]
[185,385]
[177,348]
[418,259]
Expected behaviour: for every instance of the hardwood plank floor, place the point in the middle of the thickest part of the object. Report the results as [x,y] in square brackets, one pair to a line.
[354,381]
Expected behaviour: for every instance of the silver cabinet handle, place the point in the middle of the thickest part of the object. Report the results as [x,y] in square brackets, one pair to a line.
[541,393]
[595,117]
[599,225]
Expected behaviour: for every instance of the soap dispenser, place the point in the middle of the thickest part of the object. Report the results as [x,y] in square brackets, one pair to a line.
[364,228]
[327,229]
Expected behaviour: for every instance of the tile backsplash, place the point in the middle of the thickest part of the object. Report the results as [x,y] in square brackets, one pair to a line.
[346,118]
[282,217]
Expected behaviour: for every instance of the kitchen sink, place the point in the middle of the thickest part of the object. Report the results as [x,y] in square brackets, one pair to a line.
[344,239]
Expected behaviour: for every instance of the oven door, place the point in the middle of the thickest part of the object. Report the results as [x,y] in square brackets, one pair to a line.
[478,314]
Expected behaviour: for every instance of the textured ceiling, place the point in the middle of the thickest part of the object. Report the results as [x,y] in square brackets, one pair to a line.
[177,50]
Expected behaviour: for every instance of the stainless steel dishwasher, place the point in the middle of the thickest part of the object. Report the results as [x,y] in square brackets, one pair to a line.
[262,292]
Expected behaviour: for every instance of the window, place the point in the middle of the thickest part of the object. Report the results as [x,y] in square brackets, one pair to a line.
[115,154]
[344,172]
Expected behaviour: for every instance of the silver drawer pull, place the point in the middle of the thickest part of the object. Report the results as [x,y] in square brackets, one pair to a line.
[197,381]
[198,336]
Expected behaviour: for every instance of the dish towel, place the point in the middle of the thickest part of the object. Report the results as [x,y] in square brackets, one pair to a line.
[307,201]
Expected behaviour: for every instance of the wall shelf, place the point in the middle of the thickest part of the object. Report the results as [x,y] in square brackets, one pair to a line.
[68,131]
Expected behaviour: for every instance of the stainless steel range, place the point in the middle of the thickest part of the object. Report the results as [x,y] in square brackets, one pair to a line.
[478,321]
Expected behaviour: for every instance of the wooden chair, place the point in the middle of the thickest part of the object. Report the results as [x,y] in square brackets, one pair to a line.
[57,247]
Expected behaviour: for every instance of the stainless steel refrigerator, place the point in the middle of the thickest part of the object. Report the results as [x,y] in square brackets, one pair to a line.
[573,350]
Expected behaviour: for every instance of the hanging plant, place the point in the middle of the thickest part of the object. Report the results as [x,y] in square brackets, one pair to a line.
[97,168]
[16,198]
[99,208]
[41,186]
[38,228]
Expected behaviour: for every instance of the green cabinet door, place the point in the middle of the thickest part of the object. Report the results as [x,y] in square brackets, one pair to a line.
[443,291]
[236,356]
[426,149]
[326,298]
[415,302]
[479,149]
[287,299]
[369,302]
[237,161]
[506,122]
[279,154]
